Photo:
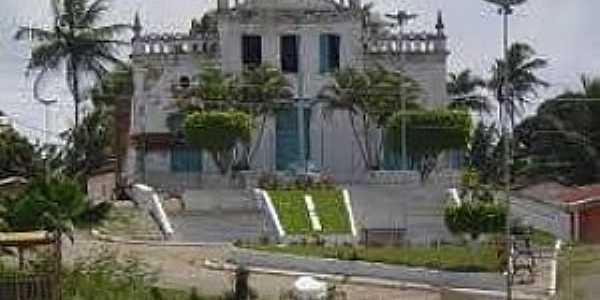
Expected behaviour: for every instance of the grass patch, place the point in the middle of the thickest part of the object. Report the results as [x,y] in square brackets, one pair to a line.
[293,215]
[447,257]
[331,210]
[542,238]
[579,272]
[291,210]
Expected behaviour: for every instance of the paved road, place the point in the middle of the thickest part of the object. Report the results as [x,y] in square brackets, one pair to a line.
[486,281]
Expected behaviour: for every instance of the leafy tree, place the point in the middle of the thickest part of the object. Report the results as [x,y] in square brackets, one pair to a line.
[90,144]
[263,88]
[462,88]
[481,149]
[428,134]
[18,157]
[258,91]
[75,43]
[520,69]
[562,141]
[218,132]
[114,86]
[371,96]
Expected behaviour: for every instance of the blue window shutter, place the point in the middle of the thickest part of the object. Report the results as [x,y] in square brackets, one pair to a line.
[324,53]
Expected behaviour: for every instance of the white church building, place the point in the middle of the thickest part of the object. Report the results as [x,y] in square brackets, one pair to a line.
[307,40]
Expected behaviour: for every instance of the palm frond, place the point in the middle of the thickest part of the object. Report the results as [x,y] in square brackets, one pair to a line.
[34,34]
[94,12]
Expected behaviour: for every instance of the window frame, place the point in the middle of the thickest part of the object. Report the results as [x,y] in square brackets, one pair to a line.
[295,61]
[248,57]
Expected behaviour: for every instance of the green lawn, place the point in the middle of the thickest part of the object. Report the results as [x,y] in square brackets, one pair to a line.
[291,210]
[450,258]
[331,210]
[294,217]
[579,272]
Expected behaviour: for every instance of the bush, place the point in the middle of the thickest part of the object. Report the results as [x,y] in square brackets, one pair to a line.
[53,204]
[475,218]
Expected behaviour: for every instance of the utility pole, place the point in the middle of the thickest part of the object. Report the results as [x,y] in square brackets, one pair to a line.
[506,9]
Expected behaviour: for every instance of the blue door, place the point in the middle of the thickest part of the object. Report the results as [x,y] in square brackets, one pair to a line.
[287,144]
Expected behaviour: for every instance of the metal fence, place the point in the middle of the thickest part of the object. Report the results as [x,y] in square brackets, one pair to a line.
[28,287]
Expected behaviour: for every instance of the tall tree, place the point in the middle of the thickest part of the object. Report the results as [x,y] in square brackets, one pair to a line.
[18,157]
[90,144]
[562,141]
[520,68]
[258,91]
[462,87]
[263,88]
[76,43]
[370,97]
[480,152]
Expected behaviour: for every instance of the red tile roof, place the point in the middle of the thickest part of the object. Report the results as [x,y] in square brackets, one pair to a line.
[575,194]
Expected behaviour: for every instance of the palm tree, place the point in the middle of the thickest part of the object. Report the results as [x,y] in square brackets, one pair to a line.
[262,89]
[258,91]
[462,87]
[372,97]
[75,43]
[520,69]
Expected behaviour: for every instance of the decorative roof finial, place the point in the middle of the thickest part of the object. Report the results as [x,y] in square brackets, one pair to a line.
[137,26]
[440,24]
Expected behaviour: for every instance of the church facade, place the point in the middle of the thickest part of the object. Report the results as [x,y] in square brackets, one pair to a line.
[307,40]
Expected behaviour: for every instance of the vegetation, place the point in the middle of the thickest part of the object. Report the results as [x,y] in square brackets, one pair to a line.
[370,98]
[562,141]
[329,205]
[480,154]
[257,92]
[478,212]
[218,132]
[18,157]
[519,69]
[76,43]
[103,276]
[578,269]
[89,145]
[331,210]
[446,257]
[292,211]
[462,88]
[428,134]
[52,204]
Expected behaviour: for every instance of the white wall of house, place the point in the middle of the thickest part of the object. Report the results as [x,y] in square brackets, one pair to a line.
[333,147]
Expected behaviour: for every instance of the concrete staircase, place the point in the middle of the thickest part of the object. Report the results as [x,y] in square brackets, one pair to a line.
[210,200]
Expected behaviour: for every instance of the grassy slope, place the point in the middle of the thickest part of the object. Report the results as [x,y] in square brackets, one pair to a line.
[331,210]
[294,216]
[292,211]
[452,258]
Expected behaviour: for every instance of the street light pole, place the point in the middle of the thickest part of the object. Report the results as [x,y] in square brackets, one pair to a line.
[506,9]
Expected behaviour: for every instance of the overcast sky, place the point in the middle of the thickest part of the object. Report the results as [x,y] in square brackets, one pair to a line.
[564,32]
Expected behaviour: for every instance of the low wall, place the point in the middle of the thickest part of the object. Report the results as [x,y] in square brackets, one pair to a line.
[147,198]
[445,177]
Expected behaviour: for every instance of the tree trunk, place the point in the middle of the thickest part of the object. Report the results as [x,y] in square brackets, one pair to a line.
[21,256]
[259,137]
[357,139]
